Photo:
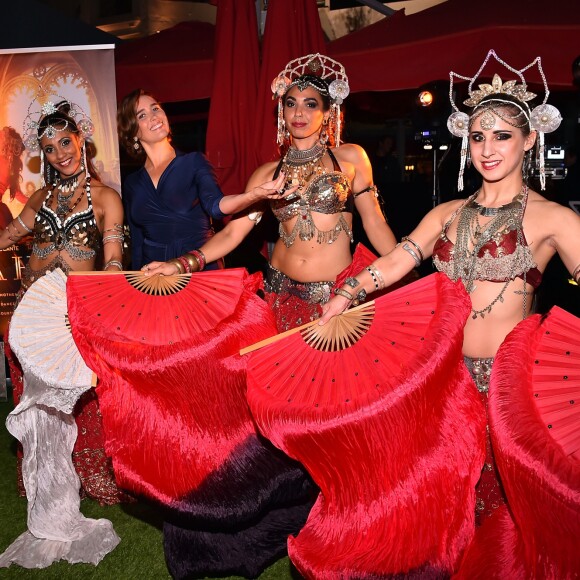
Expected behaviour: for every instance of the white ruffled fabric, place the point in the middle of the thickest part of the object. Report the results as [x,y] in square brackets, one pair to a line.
[44,424]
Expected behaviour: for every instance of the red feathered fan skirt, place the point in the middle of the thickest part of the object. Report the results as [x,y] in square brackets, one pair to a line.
[537,535]
[397,466]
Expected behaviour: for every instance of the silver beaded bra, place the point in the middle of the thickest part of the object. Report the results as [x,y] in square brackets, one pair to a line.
[328,193]
[78,234]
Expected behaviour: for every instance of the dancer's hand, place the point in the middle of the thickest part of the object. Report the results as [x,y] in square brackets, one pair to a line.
[336,305]
[272,190]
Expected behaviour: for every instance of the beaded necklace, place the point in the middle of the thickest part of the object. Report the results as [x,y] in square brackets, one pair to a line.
[62,206]
[300,166]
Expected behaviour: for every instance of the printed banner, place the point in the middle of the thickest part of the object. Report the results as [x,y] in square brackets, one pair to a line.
[84,75]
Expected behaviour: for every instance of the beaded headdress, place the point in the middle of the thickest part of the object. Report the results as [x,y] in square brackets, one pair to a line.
[49,114]
[544,118]
[320,72]
[46,104]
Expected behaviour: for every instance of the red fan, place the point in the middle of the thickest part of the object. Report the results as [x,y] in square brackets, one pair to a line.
[132,307]
[535,430]
[366,403]
[357,356]
[556,379]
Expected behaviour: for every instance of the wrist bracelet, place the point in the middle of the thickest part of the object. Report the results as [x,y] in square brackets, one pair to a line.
[199,257]
[352,282]
[113,263]
[344,293]
[178,265]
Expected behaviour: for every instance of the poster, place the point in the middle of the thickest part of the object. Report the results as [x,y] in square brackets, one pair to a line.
[81,74]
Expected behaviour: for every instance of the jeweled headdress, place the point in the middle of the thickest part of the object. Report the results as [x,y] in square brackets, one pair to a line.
[47,115]
[46,104]
[324,74]
[544,118]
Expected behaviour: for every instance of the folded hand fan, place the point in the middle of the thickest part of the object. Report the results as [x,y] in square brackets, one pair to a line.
[556,379]
[129,306]
[41,338]
[357,355]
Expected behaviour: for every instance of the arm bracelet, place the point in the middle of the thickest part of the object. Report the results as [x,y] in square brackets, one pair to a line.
[113,263]
[178,265]
[415,245]
[199,257]
[576,273]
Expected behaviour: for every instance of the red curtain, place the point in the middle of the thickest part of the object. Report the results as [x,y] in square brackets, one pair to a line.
[229,143]
[292,30]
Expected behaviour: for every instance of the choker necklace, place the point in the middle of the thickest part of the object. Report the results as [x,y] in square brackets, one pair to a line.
[493,211]
[300,165]
[69,184]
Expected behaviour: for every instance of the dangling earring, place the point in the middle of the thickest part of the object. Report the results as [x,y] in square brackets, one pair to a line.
[468,160]
[43,175]
[465,154]
[527,165]
[136,144]
[84,158]
[324,133]
[281,132]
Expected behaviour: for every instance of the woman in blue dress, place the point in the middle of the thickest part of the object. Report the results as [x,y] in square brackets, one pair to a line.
[171,201]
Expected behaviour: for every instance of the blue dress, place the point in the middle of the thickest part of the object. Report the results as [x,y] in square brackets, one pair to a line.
[168,221]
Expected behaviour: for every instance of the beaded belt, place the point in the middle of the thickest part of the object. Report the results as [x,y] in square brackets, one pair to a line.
[480,370]
[312,292]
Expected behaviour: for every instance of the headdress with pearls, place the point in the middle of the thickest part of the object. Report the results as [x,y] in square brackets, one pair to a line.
[544,118]
[322,73]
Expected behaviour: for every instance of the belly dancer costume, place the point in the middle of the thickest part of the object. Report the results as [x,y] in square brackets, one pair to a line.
[169,220]
[79,237]
[500,255]
[172,390]
[293,302]
[388,426]
[535,430]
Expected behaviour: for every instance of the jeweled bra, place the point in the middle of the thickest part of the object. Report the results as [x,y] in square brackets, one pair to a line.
[78,234]
[327,193]
[489,258]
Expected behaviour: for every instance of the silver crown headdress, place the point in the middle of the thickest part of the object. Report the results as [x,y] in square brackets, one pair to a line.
[544,118]
[45,104]
[313,67]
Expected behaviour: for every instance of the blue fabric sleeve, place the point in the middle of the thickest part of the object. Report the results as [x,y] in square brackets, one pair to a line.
[208,189]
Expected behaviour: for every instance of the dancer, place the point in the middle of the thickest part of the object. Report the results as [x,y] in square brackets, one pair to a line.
[497,242]
[170,201]
[74,220]
[233,499]
[315,224]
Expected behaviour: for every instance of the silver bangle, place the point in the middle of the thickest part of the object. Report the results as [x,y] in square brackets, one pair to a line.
[113,263]
[408,248]
[19,219]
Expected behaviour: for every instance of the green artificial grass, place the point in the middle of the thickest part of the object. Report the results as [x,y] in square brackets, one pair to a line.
[139,556]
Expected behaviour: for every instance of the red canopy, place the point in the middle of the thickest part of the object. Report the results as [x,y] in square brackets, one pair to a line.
[175,65]
[404,52]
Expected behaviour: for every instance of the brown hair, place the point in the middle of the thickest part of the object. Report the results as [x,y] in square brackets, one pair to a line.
[127,125]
